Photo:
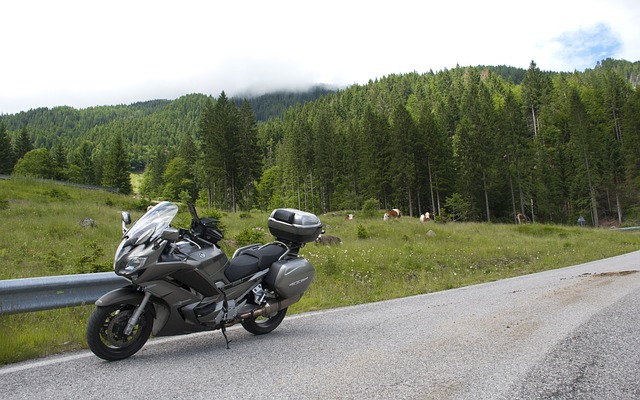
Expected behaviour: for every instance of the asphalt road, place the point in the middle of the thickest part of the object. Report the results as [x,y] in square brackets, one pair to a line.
[571,333]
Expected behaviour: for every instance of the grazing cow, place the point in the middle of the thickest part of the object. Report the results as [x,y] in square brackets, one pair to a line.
[426,217]
[328,240]
[393,213]
[522,219]
[348,217]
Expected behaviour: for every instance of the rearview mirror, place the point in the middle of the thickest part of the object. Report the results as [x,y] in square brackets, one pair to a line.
[170,234]
[126,218]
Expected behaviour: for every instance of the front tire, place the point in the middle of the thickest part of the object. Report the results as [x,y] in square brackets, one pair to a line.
[105,331]
[262,325]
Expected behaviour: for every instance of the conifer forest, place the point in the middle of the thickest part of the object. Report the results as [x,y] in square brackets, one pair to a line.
[477,143]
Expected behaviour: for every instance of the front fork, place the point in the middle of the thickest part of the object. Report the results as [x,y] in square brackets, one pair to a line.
[136,314]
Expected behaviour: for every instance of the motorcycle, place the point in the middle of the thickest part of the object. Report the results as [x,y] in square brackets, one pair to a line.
[182,282]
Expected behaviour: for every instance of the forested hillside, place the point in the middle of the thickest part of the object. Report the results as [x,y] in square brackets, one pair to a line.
[470,143]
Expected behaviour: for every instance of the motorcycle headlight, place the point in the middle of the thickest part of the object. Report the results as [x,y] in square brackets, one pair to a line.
[133,263]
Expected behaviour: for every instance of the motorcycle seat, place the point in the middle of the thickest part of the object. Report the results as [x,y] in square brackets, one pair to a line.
[251,261]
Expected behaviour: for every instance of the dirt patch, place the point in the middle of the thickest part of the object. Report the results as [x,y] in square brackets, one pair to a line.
[616,273]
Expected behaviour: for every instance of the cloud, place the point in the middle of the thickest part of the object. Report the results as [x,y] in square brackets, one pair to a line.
[82,53]
[583,48]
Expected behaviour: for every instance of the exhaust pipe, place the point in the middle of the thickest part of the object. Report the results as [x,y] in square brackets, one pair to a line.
[270,309]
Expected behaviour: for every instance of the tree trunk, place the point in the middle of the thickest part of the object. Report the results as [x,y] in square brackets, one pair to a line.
[433,203]
[486,195]
[513,199]
[592,192]
[619,207]
[410,201]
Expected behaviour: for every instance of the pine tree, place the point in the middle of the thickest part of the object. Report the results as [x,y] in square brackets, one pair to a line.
[375,156]
[176,179]
[535,88]
[220,125]
[475,148]
[152,179]
[6,151]
[212,161]
[115,173]
[188,150]
[631,147]
[403,159]
[60,163]
[23,144]
[249,164]
[584,142]
[81,166]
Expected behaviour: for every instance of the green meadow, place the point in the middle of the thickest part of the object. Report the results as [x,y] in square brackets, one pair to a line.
[42,235]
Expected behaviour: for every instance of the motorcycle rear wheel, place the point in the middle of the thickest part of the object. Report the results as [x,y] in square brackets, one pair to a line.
[105,331]
[262,325]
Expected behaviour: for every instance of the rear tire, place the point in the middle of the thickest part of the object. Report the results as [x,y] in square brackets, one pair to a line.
[105,331]
[262,325]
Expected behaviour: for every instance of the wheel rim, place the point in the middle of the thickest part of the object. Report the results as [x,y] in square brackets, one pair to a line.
[112,332]
[261,321]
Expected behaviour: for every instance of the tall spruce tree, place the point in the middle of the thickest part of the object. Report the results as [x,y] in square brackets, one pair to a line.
[59,161]
[249,162]
[583,143]
[631,148]
[115,173]
[152,179]
[81,166]
[23,144]
[7,159]
[475,149]
[212,158]
[403,160]
[535,88]
[188,150]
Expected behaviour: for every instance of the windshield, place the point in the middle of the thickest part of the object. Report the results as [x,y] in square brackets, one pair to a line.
[151,225]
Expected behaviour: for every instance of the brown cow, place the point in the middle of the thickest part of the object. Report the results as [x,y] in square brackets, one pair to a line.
[522,219]
[393,213]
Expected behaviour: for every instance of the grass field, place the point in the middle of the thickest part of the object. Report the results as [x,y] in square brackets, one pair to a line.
[377,259]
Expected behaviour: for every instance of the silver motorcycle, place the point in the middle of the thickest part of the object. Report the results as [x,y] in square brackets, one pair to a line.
[182,282]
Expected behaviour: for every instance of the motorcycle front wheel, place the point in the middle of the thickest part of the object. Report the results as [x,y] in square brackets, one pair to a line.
[105,331]
[262,325]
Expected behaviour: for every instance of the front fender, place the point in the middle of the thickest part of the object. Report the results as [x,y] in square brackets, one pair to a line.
[123,295]
[129,295]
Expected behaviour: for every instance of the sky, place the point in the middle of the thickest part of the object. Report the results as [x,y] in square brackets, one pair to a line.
[85,53]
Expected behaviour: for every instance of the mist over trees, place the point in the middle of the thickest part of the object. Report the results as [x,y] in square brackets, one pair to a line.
[469,143]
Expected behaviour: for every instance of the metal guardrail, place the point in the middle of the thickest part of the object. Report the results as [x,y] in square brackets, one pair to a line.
[50,292]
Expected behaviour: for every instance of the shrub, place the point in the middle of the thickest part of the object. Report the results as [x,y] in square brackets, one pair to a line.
[88,263]
[250,236]
[370,208]
[362,232]
[57,194]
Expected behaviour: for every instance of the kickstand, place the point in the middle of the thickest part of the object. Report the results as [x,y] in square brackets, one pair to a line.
[224,333]
[225,309]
